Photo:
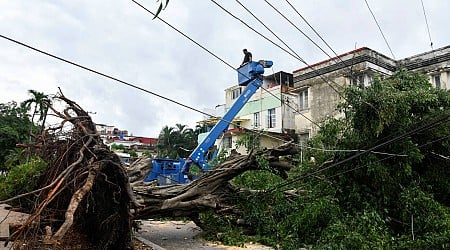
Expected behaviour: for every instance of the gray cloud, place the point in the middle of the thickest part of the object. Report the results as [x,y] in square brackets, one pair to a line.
[120,39]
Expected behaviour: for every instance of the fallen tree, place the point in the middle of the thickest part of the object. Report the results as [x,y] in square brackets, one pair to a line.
[212,191]
[85,196]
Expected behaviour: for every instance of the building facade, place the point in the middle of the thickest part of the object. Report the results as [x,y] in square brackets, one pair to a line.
[270,109]
[319,86]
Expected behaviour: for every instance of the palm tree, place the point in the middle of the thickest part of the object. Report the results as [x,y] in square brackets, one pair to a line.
[165,140]
[41,103]
[175,142]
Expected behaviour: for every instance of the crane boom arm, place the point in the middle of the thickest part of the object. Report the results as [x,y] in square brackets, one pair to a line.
[249,75]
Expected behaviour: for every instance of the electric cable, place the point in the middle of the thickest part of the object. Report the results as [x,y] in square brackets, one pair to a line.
[262,23]
[395,139]
[283,49]
[295,26]
[426,22]
[137,87]
[379,28]
[201,46]
[386,158]
[355,150]
[314,30]
[281,40]
[103,74]
[229,65]
[147,91]
[313,69]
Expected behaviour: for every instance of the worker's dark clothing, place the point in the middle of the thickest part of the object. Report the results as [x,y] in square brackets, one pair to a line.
[247,57]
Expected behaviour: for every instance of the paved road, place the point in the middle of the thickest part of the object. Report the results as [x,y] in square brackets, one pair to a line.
[7,217]
[171,235]
[160,235]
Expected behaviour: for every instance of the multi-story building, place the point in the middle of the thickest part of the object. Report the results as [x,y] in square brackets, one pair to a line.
[112,135]
[435,63]
[271,110]
[319,86]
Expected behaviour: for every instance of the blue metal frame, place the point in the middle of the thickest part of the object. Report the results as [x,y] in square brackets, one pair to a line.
[167,171]
[249,75]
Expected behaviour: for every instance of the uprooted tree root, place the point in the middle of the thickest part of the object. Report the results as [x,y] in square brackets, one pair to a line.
[84,194]
[85,200]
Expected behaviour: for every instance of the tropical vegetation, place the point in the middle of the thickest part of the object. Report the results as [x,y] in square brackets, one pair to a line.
[392,193]
[176,142]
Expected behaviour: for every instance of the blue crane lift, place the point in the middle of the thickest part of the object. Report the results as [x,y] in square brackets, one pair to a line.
[175,171]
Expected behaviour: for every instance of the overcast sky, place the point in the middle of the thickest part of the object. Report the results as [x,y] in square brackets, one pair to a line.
[119,38]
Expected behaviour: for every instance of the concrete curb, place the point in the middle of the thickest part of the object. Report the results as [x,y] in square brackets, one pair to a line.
[149,243]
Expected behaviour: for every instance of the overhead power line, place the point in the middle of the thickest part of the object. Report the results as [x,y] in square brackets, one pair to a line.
[303,33]
[213,54]
[434,123]
[283,49]
[301,146]
[429,125]
[314,30]
[153,93]
[265,26]
[386,158]
[426,22]
[102,74]
[379,28]
[145,90]
[281,40]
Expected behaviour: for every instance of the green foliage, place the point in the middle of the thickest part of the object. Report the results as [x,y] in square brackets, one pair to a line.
[40,103]
[162,5]
[257,179]
[14,129]
[364,230]
[399,200]
[261,179]
[21,179]
[379,194]
[133,153]
[250,141]
[176,142]
[147,153]
[222,228]
[16,157]
[117,147]
[221,157]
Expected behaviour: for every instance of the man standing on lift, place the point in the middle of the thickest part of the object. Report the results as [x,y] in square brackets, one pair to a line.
[247,57]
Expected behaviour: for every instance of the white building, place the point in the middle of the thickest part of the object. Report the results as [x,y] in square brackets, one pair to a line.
[270,110]
[317,85]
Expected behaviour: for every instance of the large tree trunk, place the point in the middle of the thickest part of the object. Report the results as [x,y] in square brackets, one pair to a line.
[84,197]
[85,194]
[211,191]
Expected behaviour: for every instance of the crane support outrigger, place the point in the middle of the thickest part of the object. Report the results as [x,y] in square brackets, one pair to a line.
[249,75]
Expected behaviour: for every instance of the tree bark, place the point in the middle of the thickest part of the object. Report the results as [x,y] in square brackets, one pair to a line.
[84,196]
[86,192]
[212,190]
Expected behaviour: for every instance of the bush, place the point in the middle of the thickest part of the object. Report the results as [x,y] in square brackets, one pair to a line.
[21,179]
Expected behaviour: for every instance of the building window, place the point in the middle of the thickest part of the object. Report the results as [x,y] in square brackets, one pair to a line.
[303,100]
[235,93]
[447,86]
[437,81]
[361,80]
[227,142]
[369,80]
[271,118]
[256,119]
